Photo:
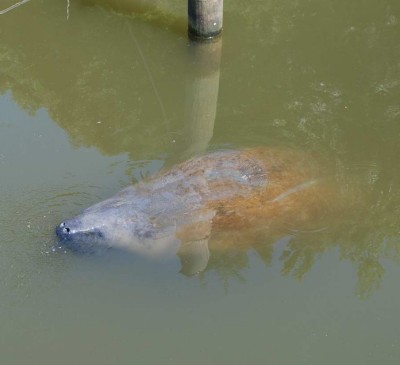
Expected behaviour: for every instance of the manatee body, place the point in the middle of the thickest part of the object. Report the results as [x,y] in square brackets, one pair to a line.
[189,207]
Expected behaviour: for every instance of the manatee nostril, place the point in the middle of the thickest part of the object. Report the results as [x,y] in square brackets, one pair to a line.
[63,232]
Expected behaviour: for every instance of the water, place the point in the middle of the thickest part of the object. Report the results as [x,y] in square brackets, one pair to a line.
[96,94]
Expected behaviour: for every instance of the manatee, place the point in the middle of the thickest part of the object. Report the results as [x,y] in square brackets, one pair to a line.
[188,208]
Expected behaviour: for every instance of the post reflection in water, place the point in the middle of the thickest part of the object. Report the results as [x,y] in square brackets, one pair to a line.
[201,97]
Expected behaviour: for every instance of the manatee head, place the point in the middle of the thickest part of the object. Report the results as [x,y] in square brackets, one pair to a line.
[116,222]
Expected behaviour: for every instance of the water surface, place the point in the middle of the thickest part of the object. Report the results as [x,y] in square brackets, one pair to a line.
[98,94]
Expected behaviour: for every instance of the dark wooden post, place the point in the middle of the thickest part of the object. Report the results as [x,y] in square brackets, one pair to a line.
[205,18]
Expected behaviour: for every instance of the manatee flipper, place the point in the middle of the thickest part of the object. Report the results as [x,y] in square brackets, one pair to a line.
[194,256]
[194,252]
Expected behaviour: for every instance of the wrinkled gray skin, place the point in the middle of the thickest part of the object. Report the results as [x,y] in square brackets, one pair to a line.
[144,218]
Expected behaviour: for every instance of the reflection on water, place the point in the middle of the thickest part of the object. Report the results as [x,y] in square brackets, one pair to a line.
[127,94]
[125,87]
[363,235]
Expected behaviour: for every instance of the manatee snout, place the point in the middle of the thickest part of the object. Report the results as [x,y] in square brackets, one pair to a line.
[115,222]
[63,232]
[72,237]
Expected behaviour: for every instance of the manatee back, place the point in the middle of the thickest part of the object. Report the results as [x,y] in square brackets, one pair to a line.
[217,175]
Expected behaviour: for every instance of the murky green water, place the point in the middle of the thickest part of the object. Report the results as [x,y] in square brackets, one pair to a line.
[96,94]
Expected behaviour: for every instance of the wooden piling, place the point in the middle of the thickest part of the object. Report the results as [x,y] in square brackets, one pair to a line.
[205,18]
